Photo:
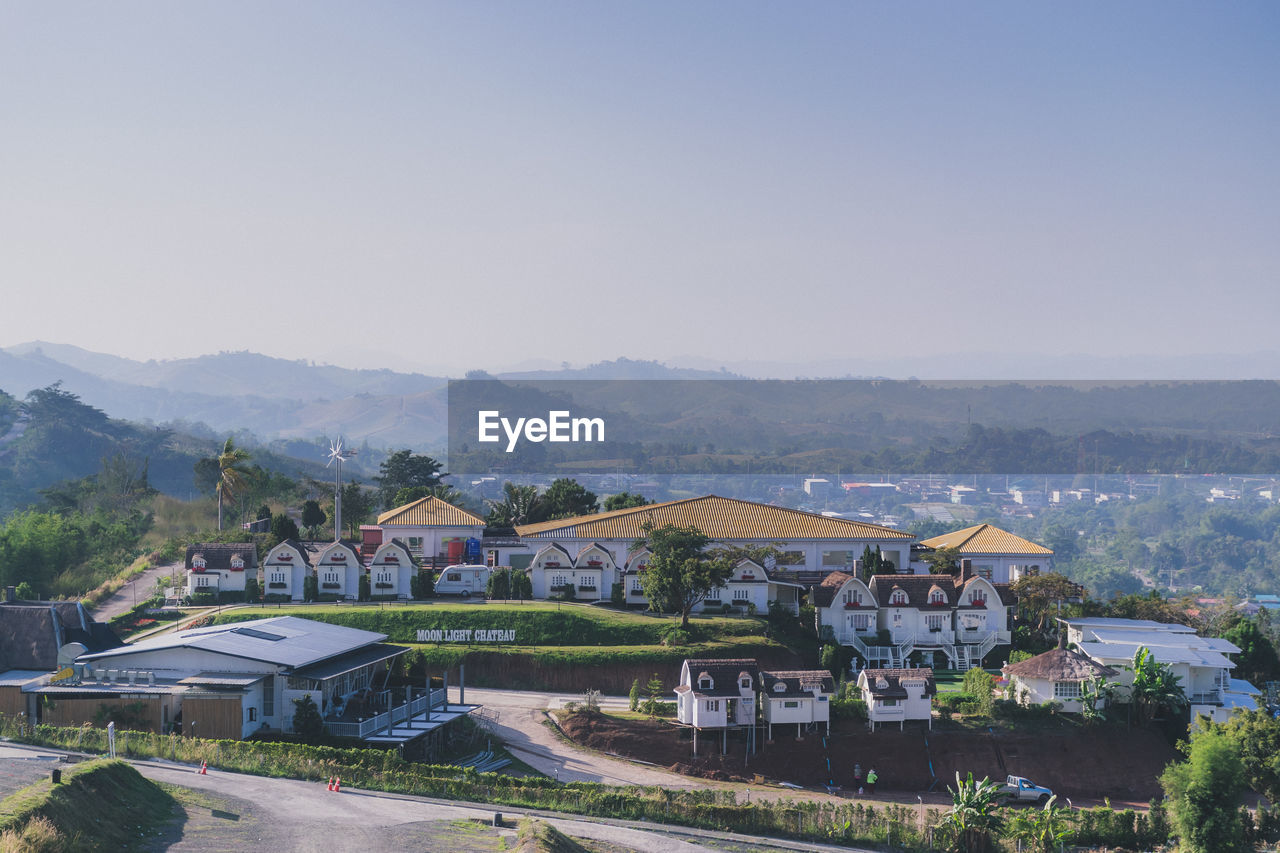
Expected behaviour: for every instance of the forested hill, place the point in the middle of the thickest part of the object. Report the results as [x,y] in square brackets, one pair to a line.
[52,436]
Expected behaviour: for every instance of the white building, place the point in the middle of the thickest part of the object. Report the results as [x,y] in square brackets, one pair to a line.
[285,570]
[1059,676]
[802,697]
[961,617]
[337,569]
[588,575]
[995,554]
[717,694]
[230,681]
[434,532]
[1199,663]
[812,545]
[897,695]
[217,567]
[391,572]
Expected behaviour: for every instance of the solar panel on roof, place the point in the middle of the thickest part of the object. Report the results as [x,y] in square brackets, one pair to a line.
[254,632]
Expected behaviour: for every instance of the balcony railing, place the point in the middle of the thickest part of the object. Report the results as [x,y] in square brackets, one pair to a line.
[897,712]
[379,722]
[1207,697]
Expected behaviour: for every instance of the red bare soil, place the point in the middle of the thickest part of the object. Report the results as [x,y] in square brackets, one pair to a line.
[1107,761]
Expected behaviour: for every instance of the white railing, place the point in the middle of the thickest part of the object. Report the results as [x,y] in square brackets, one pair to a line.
[379,722]
[935,638]
[896,713]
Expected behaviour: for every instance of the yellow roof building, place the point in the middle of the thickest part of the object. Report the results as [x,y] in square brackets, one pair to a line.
[986,539]
[719,518]
[430,512]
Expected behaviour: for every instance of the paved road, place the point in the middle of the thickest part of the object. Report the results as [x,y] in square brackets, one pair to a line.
[254,812]
[139,589]
[518,718]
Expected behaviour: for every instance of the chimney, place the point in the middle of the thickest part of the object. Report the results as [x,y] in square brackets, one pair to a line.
[966,569]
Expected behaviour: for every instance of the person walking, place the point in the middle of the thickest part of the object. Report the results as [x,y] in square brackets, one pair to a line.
[871,780]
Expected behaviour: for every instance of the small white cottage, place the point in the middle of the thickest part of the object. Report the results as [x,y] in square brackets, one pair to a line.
[799,696]
[897,695]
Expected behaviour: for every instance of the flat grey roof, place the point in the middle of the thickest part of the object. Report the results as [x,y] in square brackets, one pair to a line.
[284,640]
[349,661]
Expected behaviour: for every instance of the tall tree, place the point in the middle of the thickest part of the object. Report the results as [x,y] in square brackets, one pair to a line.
[625,500]
[566,498]
[312,517]
[680,573]
[405,470]
[233,473]
[1040,598]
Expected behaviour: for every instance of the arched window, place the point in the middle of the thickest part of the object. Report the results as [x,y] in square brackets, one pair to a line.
[937,596]
[898,597]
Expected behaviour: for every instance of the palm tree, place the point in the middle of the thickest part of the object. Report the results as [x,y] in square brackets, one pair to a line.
[975,816]
[518,506]
[233,474]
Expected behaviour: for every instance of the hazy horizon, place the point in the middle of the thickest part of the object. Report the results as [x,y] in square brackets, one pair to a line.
[440,187]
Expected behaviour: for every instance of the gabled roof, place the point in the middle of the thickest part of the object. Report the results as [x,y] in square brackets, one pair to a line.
[217,555]
[1060,665]
[915,586]
[799,682]
[893,678]
[724,674]
[719,518]
[430,512]
[380,554]
[987,539]
[283,640]
[297,546]
[825,592]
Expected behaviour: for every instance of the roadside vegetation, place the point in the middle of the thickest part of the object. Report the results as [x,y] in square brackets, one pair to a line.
[99,805]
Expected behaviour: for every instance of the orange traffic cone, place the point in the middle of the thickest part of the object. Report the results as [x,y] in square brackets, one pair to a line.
[337,784]
[330,783]
[204,767]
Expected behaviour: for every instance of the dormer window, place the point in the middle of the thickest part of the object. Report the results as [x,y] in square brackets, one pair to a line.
[882,683]
[745,683]
[197,563]
[780,687]
[937,596]
[705,682]
[237,562]
[898,597]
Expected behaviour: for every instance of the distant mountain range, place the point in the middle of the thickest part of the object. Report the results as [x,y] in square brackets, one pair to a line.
[273,398]
[279,399]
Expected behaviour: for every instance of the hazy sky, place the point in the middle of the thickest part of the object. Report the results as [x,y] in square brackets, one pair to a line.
[421,185]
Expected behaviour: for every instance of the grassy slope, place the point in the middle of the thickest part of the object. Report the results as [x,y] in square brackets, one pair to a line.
[100,805]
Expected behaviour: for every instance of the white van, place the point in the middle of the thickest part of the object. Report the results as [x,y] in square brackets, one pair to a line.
[465,581]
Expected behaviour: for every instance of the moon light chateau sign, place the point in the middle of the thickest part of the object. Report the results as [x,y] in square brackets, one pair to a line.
[466,635]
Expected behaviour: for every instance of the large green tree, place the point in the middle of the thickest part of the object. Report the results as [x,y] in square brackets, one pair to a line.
[519,505]
[566,498]
[1041,598]
[1203,794]
[405,469]
[624,500]
[681,573]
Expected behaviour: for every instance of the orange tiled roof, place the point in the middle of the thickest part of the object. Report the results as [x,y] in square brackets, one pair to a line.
[430,512]
[986,539]
[717,517]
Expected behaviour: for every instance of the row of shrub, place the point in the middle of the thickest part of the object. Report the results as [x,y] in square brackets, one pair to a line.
[709,808]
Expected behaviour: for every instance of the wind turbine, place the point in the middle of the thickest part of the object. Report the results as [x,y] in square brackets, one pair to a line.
[337,453]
